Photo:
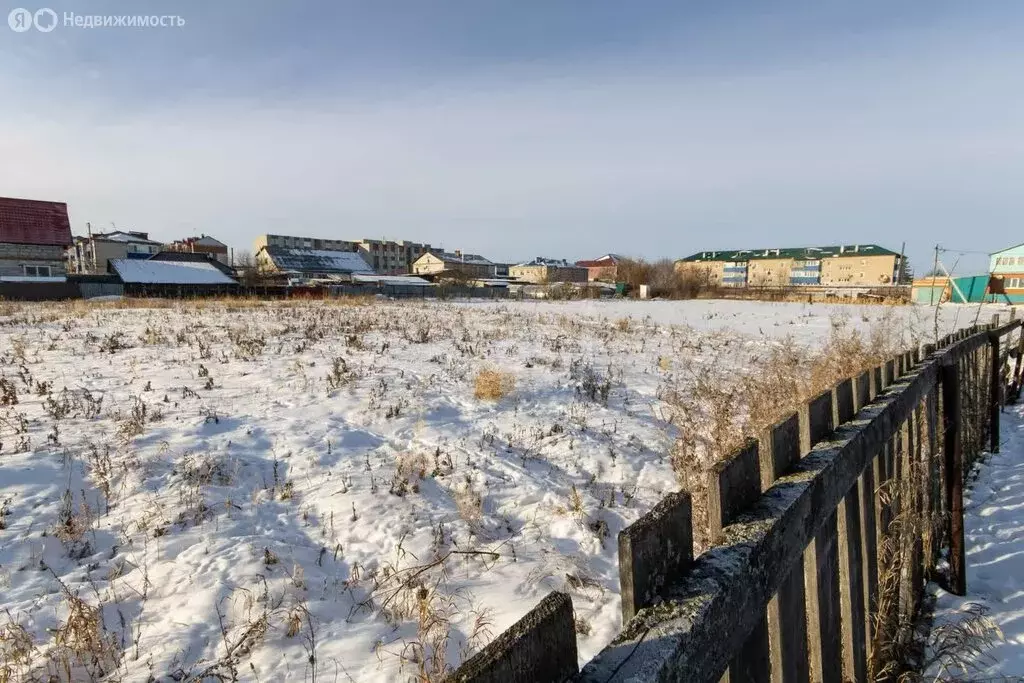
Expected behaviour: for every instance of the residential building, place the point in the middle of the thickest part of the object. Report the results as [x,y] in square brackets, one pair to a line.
[310,263]
[1008,267]
[457,264]
[204,244]
[290,242]
[603,268]
[393,257]
[91,254]
[858,265]
[543,271]
[33,237]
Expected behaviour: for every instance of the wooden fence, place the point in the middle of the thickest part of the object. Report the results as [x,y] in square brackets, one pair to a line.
[826,529]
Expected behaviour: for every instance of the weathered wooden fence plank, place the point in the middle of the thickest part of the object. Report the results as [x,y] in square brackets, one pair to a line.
[842,402]
[954,476]
[995,389]
[869,554]
[655,552]
[824,622]
[787,621]
[851,581]
[710,613]
[539,648]
[734,485]
[779,450]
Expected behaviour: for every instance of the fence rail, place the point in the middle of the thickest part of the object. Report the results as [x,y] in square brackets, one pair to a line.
[825,530]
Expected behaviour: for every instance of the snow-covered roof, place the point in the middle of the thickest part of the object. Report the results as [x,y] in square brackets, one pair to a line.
[392,280]
[29,278]
[206,241]
[120,236]
[541,261]
[135,271]
[317,261]
[472,259]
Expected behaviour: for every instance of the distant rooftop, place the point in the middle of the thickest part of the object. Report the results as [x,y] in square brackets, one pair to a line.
[125,236]
[135,271]
[600,261]
[798,253]
[451,257]
[541,261]
[318,261]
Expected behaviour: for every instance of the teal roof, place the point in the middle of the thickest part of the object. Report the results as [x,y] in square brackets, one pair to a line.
[798,253]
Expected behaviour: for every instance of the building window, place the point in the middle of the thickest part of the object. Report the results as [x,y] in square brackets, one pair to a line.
[37,271]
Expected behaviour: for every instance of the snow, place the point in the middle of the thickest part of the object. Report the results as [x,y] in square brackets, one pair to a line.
[994,535]
[318,260]
[391,280]
[136,271]
[236,468]
[125,237]
[29,278]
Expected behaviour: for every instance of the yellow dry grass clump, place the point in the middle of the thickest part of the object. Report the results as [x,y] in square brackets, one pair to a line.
[493,384]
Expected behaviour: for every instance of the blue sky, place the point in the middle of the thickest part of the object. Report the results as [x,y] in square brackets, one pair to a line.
[517,129]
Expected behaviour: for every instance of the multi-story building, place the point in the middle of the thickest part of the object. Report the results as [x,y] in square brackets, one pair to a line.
[204,244]
[544,270]
[457,264]
[92,253]
[1008,267]
[858,265]
[310,264]
[392,257]
[290,242]
[385,256]
[33,237]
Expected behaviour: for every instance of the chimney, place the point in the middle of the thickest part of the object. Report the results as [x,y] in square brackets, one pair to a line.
[842,249]
[856,248]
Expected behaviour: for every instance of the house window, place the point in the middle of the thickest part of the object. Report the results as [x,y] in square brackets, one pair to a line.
[37,271]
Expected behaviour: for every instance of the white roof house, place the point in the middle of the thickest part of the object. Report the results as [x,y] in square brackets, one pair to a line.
[135,271]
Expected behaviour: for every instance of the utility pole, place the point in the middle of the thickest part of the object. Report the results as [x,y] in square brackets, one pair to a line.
[903,267]
[935,273]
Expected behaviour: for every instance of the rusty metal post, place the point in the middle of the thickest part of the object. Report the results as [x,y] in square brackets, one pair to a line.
[954,465]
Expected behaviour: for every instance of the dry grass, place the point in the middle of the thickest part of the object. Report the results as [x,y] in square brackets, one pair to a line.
[492,385]
[718,411]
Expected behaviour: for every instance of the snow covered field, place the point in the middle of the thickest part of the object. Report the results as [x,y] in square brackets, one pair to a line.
[292,491]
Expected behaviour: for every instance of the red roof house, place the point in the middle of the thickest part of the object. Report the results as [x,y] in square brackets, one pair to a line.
[602,268]
[28,221]
[33,236]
